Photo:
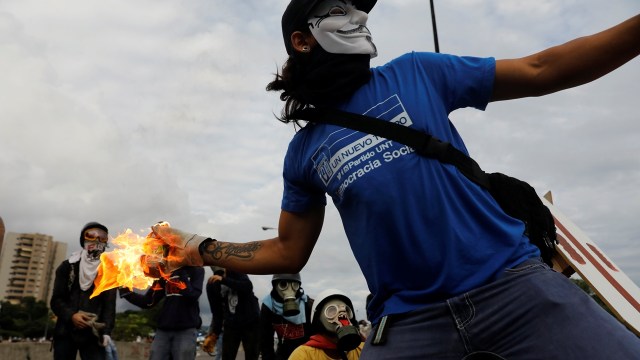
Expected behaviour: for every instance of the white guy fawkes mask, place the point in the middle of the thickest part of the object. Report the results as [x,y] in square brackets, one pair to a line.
[340,28]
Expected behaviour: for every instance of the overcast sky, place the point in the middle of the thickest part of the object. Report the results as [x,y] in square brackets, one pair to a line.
[129,112]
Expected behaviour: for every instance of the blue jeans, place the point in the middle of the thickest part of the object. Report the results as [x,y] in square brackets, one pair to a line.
[174,345]
[531,312]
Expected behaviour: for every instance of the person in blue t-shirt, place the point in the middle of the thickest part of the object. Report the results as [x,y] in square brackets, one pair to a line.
[448,269]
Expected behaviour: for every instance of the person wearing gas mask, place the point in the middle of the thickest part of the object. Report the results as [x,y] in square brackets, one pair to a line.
[84,325]
[335,330]
[234,307]
[404,213]
[286,310]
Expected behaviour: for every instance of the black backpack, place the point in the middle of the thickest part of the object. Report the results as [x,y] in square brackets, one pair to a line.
[516,197]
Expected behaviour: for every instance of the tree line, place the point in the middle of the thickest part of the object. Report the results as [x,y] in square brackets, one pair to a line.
[31,319]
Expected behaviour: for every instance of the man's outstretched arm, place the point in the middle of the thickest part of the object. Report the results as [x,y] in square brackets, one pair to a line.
[286,253]
[568,65]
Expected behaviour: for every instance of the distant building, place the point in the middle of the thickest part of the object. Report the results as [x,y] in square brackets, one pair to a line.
[27,266]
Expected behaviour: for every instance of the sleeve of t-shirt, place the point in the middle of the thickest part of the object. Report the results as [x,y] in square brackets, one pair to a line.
[299,194]
[462,81]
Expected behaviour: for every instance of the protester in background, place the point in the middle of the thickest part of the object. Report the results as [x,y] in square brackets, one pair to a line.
[179,318]
[335,330]
[84,325]
[213,342]
[286,310]
[234,307]
[365,328]
[365,325]
[406,214]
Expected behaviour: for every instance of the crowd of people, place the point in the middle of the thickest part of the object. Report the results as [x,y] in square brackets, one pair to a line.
[481,287]
[449,268]
[85,324]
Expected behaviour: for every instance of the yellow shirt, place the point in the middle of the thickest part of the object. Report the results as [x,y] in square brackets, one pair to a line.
[304,352]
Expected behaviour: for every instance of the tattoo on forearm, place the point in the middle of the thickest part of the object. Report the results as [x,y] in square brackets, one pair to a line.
[218,250]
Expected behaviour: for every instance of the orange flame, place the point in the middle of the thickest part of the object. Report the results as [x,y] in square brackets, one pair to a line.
[128,264]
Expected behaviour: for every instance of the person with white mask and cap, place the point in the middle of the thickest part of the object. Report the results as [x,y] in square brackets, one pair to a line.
[286,310]
[84,324]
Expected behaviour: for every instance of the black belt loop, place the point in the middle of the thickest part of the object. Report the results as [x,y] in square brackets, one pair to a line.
[380,333]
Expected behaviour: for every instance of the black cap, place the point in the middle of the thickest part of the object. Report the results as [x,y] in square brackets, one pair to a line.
[290,277]
[297,13]
[91,225]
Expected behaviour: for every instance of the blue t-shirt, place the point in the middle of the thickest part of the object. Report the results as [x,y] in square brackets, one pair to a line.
[420,230]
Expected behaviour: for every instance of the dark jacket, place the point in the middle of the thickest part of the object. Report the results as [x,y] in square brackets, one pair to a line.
[67,299]
[290,335]
[181,309]
[232,302]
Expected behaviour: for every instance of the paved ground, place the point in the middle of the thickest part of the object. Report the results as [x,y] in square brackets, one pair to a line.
[203,355]
[41,351]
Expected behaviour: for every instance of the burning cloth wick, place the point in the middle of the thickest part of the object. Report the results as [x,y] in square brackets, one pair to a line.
[128,264]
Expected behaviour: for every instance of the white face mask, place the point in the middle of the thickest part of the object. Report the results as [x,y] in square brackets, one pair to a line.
[94,249]
[340,28]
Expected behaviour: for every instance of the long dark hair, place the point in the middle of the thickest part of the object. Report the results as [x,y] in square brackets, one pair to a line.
[318,79]
[290,85]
